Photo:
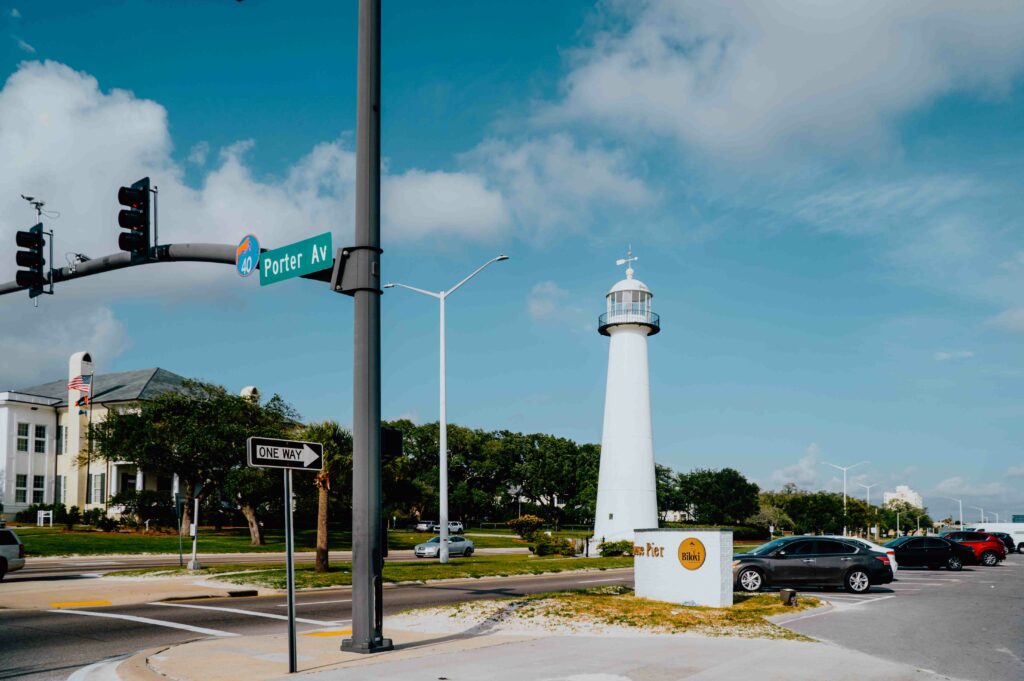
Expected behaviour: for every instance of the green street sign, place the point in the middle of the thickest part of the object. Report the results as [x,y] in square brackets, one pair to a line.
[294,260]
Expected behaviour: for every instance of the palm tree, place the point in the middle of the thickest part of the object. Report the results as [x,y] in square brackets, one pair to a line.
[337,444]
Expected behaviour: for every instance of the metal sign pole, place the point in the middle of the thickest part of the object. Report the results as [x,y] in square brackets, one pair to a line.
[288,540]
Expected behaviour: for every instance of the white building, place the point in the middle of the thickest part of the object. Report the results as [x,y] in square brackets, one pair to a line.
[903,493]
[44,439]
[626,492]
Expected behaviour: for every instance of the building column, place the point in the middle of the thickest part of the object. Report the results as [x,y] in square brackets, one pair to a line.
[175,487]
[114,481]
[139,479]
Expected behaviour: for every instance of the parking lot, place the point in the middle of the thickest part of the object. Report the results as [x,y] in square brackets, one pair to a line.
[966,625]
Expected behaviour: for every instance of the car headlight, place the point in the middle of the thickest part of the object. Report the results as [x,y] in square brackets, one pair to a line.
[736,563]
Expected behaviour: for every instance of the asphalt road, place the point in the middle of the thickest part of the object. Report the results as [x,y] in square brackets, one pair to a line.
[42,568]
[967,625]
[48,644]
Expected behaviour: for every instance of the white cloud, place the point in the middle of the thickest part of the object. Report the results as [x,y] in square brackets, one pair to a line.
[24,47]
[65,140]
[553,184]
[418,203]
[754,78]
[804,473]
[36,350]
[1011,320]
[546,300]
[15,14]
[953,355]
[961,487]
[1015,471]
[198,153]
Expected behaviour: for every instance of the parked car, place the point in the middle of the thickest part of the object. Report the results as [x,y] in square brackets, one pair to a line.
[1015,530]
[878,548]
[12,552]
[426,525]
[811,561]
[1007,541]
[988,550]
[457,546]
[455,526]
[931,552]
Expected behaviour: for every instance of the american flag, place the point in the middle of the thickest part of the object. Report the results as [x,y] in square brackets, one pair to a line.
[82,384]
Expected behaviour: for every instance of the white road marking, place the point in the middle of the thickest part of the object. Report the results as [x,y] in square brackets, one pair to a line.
[251,613]
[147,620]
[298,603]
[105,669]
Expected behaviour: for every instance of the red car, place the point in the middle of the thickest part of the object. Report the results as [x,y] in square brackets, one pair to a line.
[988,550]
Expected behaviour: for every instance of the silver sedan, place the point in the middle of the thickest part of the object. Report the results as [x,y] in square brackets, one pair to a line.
[457,546]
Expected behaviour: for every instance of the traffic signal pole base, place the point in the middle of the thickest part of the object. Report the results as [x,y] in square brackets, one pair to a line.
[379,646]
[194,565]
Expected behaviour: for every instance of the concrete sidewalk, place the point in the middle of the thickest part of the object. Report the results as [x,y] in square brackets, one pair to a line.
[97,592]
[631,656]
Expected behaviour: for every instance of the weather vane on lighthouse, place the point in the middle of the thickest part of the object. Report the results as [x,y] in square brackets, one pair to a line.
[628,262]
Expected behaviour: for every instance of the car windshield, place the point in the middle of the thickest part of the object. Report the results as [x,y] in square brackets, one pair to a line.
[898,541]
[769,547]
[434,540]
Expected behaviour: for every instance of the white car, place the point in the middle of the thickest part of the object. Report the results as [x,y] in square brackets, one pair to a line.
[12,552]
[877,548]
[425,525]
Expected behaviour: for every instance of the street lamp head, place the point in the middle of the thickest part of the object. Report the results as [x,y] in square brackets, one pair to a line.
[500,258]
[389,285]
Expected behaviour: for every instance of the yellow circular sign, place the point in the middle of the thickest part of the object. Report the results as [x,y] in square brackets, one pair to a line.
[691,553]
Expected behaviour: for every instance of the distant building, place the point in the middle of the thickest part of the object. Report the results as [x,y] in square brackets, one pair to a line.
[904,493]
[44,435]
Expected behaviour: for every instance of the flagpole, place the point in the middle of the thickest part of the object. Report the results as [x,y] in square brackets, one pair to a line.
[88,460]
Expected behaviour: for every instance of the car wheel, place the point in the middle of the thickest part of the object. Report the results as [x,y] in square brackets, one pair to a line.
[750,580]
[989,558]
[857,581]
[1020,547]
[954,563]
[468,552]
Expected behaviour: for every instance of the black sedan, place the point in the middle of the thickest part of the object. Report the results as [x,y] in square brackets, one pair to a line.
[811,561]
[931,552]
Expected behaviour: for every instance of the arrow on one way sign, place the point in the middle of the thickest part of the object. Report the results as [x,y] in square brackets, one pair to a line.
[265,452]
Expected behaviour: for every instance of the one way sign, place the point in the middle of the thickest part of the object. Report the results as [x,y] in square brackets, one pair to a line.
[265,452]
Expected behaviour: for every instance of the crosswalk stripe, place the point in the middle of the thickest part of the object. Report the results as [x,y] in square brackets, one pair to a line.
[147,620]
[239,611]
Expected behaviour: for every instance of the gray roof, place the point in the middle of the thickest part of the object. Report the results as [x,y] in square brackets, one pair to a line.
[142,384]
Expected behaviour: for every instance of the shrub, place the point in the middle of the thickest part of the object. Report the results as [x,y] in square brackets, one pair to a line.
[92,516]
[610,549]
[147,504]
[526,526]
[28,514]
[546,545]
[73,516]
[107,524]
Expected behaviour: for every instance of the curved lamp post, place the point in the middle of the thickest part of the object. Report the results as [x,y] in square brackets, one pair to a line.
[442,552]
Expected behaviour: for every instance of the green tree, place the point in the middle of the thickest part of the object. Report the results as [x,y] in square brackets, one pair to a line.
[769,515]
[198,433]
[337,472]
[718,496]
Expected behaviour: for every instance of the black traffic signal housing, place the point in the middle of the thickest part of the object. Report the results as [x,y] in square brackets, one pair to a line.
[134,218]
[34,277]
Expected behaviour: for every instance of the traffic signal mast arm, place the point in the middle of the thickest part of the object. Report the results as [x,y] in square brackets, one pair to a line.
[216,253]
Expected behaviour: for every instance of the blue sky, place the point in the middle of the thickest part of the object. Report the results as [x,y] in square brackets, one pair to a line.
[825,199]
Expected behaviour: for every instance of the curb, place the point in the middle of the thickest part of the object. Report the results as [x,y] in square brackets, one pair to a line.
[136,667]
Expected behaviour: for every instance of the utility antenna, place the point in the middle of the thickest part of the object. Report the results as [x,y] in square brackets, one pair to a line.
[628,262]
[36,203]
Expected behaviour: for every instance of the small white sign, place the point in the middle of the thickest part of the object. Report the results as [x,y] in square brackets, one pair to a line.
[684,566]
[191,529]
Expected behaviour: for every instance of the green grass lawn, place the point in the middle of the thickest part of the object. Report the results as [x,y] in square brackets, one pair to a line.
[57,542]
[273,576]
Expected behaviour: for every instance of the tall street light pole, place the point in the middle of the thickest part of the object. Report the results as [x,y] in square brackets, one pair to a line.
[441,296]
[868,488]
[844,469]
[367,541]
[961,504]
[979,508]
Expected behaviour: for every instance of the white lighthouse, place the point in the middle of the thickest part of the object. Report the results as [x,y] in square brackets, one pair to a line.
[626,494]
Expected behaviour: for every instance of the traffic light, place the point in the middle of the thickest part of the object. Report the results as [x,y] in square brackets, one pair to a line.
[134,218]
[33,277]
